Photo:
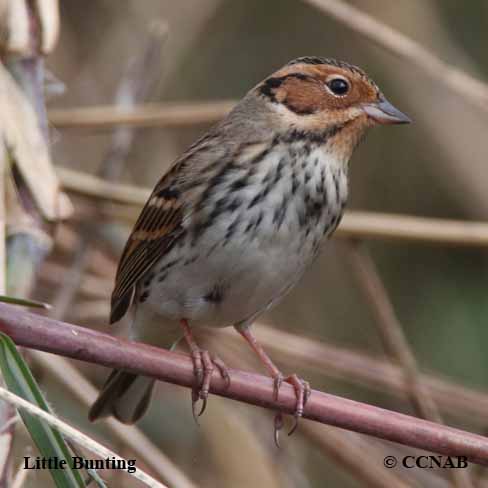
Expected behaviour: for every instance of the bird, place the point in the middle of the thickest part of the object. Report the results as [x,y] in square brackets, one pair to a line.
[233,224]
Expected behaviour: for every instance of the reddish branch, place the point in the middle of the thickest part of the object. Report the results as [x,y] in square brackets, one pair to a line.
[57,337]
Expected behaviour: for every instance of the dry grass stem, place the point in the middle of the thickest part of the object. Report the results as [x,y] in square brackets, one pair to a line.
[19,128]
[390,329]
[352,453]
[421,230]
[395,342]
[8,420]
[20,476]
[168,114]
[14,27]
[24,144]
[71,283]
[48,14]
[103,190]
[3,222]
[75,382]
[355,224]
[75,435]
[461,83]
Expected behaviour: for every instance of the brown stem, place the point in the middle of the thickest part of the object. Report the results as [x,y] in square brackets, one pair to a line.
[408,49]
[50,335]
[395,342]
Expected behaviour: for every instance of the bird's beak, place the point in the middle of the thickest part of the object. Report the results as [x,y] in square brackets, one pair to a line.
[383,112]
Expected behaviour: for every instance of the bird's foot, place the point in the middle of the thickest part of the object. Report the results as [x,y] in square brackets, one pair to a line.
[203,366]
[302,392]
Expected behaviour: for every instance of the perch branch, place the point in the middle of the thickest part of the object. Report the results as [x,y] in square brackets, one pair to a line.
[346,449]
[57,337]
[358,368]
[334,361]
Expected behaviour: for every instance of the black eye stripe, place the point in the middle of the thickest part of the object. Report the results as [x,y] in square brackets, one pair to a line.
[338,86]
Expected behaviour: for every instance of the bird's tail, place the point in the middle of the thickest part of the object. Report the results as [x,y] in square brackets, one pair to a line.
[126,396]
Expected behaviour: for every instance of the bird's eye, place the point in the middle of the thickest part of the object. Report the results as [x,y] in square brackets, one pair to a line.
[338,86]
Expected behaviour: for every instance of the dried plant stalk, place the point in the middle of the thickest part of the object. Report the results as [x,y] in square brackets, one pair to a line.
[402,46]
[396,344]
[169,114]
[49,335]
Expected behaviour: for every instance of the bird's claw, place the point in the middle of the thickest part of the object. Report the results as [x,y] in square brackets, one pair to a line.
[195,397]
[278,425]
[203,367]
[302,392]
[224,372]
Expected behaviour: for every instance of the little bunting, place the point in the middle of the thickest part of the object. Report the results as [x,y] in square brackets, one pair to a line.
[234,223]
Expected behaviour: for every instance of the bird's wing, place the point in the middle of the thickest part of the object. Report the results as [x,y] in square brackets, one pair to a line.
[154,234]
[160,224]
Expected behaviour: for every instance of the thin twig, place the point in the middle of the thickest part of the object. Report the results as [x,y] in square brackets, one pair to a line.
[20,476]
[65,339]
[403,47]
[391,331]
[168,114]
[140,75]
[395,342]
[76,436]
[355,224]
[71,378]
[421,230]
[70,283]
[359,459]
[100,189]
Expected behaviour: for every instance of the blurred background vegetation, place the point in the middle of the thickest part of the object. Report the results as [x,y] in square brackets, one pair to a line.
[219,49]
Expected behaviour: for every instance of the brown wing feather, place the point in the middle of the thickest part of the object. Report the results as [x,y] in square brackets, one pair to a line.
[155,232]
[159,225]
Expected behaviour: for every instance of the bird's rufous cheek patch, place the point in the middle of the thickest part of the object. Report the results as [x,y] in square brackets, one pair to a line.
[301,96]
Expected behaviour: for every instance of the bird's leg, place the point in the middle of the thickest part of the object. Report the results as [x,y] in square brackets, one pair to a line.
[301,387]
[203,367]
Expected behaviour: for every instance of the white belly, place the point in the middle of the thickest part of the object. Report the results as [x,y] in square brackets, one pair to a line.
[250,256]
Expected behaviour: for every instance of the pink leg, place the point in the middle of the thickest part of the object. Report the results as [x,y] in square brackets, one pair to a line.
[302,388]
[203,367]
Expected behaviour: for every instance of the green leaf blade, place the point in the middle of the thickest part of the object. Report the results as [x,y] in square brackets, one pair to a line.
[48,440]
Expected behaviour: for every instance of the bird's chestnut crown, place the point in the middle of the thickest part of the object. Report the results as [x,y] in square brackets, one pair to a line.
[324,89]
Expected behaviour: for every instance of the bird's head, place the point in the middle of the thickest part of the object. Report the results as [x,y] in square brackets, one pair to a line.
[317,95]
